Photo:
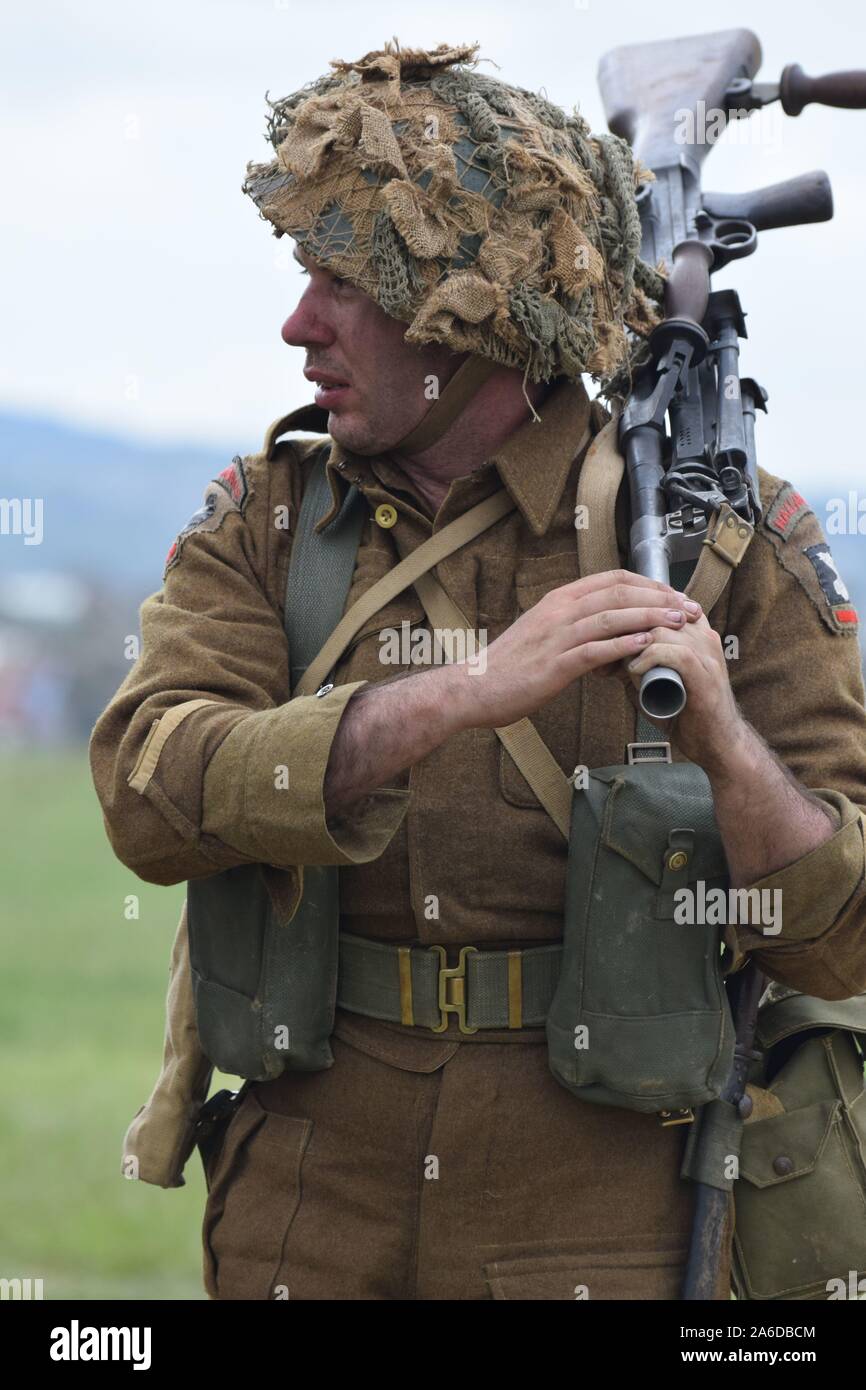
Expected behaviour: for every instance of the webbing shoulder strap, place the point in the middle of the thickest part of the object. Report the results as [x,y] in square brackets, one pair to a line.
[437,547]
[521,740]
[320,575]
[597,488]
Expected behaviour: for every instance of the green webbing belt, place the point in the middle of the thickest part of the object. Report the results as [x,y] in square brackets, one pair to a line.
[375,981]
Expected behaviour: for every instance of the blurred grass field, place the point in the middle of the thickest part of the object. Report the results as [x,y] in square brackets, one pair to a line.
[81,1000]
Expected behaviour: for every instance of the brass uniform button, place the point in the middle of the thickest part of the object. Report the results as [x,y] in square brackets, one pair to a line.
[386,515]
[678,860]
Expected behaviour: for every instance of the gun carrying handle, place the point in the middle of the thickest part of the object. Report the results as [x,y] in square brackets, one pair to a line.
[797,89]
[688,286]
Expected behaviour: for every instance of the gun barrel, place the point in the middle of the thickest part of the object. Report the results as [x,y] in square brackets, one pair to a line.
[662,694]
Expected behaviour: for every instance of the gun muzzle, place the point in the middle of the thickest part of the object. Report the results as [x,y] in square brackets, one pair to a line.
[662,694]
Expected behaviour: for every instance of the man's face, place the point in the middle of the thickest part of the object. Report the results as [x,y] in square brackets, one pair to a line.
[370,380]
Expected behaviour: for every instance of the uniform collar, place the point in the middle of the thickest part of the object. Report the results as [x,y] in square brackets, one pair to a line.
[533,463]
[311,418]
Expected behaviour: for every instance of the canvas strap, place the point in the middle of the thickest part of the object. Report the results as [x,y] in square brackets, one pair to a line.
[456,534]
[321,570]
[521,740]
[607,718]
[469,377]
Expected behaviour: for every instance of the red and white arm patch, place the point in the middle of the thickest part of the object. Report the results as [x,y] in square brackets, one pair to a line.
[794,532]
[787,510]
[229,492]
[234,480]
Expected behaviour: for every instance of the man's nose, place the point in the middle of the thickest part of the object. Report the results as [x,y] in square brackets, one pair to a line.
[304,327]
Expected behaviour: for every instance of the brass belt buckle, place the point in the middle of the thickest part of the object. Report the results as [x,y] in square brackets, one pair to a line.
[452,989]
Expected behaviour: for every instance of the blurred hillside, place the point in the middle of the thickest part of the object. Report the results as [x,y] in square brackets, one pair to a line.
[111,507]
[110,510]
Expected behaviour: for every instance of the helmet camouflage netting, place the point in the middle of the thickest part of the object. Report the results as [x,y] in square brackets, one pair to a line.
[478,213]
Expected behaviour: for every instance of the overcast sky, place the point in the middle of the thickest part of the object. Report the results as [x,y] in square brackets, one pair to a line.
[142,294]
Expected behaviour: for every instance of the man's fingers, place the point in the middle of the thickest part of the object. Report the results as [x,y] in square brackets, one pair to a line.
[641,594]
[593,655]
[608,579]
[678,656]
[613,622]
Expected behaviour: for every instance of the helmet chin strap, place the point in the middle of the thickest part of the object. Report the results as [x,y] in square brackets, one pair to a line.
[468,378]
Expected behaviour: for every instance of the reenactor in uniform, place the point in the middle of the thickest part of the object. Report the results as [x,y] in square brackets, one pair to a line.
[471,252]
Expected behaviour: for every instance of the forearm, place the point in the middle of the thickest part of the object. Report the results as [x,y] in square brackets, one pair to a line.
[390,725]
[583,626]
[766,819]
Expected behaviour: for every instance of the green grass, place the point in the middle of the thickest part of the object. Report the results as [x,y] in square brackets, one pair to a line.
[81,1014]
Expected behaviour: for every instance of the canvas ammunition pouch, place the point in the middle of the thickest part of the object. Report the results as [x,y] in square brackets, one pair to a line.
[640,1018]
[801,1194]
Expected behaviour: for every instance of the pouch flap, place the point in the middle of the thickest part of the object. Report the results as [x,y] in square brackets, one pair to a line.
[798,1012]
[647,801]
[797,1136]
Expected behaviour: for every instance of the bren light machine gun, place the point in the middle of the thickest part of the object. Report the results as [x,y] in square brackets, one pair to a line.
[670,100]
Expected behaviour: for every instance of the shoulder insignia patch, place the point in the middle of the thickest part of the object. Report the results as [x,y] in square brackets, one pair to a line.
[229,492]
[234,480]
[832,585]
[787,510]
[807,557]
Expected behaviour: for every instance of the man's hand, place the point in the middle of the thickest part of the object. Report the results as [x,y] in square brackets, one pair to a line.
[766,819]
[590,625]
[710,726]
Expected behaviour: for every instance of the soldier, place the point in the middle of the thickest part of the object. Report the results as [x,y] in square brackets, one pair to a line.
[470,253]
